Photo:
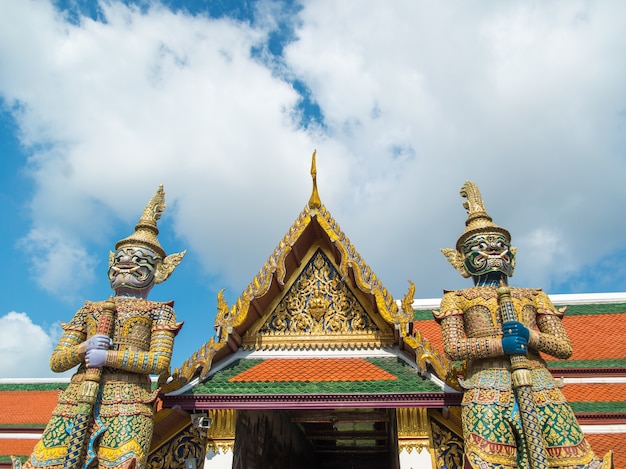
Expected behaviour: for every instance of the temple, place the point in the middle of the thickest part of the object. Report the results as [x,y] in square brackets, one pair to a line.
[317,366]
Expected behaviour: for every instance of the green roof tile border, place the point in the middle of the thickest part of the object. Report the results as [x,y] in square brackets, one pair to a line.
[572,310]
[33,386]
[594,309]
[423,315]
[613,407]
[7,459]
[583,365]
[28,427]
[408,381]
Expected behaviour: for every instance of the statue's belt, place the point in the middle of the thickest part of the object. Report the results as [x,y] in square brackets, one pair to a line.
[125,377]
[131,378]
[501,363]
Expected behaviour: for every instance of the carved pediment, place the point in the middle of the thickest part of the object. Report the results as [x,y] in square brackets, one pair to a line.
[319,310]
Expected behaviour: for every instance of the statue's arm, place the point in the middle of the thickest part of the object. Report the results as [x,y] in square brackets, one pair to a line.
[157,359]
[455,343]
[551,337]
[70,350]
[459,347]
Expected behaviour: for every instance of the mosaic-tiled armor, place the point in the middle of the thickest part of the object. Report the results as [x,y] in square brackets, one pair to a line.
[104,418]
[142,344]
[513,411]
[472,331]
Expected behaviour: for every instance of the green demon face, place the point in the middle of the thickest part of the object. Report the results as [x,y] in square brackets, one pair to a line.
[488,252]
[133,267]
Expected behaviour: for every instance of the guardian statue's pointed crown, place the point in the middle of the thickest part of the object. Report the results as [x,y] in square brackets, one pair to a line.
[145,235]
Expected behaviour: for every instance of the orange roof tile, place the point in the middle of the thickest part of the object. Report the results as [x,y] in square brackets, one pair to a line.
[601,336]
[603,442]
[431,331]
[313,369]
[585,332]
[17,446]
[26,407]
[595,392]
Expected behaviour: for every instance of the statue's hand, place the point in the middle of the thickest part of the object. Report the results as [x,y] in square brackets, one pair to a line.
[98,341]
[514,344]
[95,358]
[516,328]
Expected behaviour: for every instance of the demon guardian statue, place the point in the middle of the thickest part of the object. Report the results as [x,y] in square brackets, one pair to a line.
[514,414]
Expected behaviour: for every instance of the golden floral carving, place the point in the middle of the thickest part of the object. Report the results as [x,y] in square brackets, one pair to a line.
[448,447]
[172,455]
[318,302]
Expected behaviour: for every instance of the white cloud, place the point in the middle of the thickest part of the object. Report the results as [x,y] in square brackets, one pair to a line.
[59,266]
[147,99]
[525,99]
[28,345]
[543,248]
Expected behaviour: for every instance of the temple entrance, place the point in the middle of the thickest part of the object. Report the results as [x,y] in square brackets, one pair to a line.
[350,438]
[322,439]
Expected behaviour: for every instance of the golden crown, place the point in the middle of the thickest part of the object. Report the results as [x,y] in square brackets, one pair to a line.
[146,230]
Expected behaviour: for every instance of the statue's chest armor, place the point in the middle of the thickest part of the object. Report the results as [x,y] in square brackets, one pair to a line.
[528,315]
[132,328]
[132,331]
[482,320]
[482,316]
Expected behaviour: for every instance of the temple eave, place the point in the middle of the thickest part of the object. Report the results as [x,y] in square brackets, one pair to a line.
[312,401]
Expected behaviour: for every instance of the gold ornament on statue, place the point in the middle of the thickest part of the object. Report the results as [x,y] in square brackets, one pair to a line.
[145,235]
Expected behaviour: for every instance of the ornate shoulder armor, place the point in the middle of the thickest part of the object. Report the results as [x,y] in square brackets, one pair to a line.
[450,305]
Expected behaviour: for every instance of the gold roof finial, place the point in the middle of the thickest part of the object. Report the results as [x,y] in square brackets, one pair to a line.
[314,201]
[146,230]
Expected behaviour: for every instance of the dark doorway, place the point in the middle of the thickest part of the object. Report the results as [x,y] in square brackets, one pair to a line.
[351,437]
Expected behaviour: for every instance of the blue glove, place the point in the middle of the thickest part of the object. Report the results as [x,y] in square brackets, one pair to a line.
[514,344]
[516,328]
[96,358]
[98,341]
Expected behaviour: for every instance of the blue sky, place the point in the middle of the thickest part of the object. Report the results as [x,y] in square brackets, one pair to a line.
[223,102]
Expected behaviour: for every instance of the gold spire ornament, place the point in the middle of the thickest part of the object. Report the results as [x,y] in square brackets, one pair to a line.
[314,202]
[478,222]
[145,235]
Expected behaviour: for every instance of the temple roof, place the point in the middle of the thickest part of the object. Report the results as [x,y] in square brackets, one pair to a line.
[24,412]
[279,381]
[315,292]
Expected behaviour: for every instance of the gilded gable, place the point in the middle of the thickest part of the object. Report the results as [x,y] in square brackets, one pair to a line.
[318,310]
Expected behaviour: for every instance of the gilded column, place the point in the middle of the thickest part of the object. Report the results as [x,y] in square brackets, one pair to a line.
[414,448]
[220,439]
